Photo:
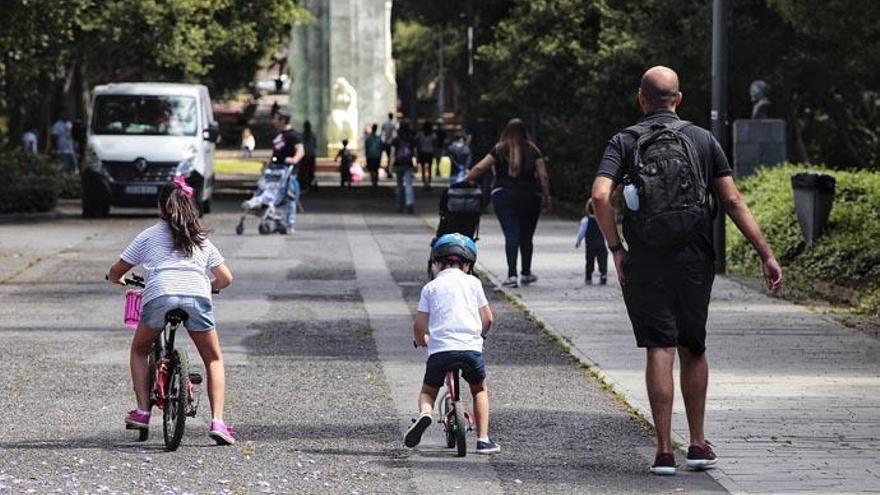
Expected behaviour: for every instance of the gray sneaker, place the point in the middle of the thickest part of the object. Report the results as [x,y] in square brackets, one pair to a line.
[510,282]
[529,279]
[489,447]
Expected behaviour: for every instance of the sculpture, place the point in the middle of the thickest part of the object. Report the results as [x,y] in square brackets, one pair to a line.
[343,119]
[758,91]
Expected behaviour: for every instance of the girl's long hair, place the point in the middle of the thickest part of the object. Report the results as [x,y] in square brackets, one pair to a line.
[514,145]
[182,217]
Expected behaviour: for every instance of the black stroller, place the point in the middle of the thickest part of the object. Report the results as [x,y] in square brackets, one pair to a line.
[460,208]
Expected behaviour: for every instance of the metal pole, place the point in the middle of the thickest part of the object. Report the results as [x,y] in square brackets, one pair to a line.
[441,96]
[718,115]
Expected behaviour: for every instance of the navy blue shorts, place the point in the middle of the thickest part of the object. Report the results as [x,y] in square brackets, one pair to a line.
[474,371]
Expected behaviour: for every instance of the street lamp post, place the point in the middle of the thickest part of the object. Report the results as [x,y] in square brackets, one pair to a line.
[718,115]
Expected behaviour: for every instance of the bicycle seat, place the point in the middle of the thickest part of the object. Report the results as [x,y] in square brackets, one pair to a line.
[456,366]
[176,316]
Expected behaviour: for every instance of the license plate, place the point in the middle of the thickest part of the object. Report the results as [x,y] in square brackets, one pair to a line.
[141,189]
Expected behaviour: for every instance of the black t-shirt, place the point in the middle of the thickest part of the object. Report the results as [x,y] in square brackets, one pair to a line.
[617,160]
[284,145]
[526,180]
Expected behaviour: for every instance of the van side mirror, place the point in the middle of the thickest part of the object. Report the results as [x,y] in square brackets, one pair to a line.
[212,133]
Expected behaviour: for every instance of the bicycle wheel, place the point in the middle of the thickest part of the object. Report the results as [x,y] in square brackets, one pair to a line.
[174,414]
[449,424]
[460,429]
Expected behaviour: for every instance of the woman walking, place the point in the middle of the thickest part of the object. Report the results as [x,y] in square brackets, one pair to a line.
[520,192]
[306,171]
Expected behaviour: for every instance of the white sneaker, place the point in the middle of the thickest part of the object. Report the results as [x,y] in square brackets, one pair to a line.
[512,282]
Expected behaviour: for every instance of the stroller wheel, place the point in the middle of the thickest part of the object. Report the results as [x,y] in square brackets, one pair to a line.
[239,229]
[265,229]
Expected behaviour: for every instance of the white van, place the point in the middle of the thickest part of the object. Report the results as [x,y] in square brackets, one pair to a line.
[142,135]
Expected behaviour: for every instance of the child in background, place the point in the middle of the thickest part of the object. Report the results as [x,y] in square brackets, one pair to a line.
[596,251]
[345,158]
[177,258]
[453,319]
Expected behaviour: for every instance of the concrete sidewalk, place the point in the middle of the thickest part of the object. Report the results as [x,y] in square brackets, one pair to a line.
[794,397]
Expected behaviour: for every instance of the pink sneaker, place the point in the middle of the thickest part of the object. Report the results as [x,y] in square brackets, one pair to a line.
[137,420]
[222,433]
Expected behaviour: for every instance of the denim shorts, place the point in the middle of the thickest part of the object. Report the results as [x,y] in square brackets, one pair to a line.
[199,309]
[474,371]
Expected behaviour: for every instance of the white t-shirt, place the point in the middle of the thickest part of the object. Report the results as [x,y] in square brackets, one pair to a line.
[453,301]
[168,271]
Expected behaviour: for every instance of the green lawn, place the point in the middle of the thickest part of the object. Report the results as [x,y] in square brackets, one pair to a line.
[237,166]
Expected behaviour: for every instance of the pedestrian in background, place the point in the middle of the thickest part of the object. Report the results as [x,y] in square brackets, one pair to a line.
[667,268]
[403,150]
[373,152]
[248,142]
[29,140]
[306,174]
[520,192]
[595,250]
[62,142]
[439,146]
[425,139]
[345,159]
[389,132]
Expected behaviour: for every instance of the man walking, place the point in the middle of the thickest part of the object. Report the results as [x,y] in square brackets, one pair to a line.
[674,174]
[287,149]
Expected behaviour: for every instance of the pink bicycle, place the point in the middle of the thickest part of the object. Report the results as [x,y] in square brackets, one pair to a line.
[457,421]
[172,386]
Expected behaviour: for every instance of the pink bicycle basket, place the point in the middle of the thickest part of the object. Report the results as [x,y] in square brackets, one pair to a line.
[133,300]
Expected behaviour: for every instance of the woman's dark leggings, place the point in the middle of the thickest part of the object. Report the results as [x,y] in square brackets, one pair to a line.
[518,212]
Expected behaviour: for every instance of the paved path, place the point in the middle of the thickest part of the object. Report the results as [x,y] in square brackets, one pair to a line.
[794,398]
[322,378]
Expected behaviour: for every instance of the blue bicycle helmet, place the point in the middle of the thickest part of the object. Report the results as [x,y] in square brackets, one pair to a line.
[454,245]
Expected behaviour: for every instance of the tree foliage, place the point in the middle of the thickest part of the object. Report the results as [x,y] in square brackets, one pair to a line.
[220,43]
[577,63]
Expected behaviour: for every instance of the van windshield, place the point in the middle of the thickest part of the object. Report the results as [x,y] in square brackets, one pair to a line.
[145,115]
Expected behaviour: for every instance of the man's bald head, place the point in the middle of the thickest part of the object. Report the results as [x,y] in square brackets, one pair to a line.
[659,88]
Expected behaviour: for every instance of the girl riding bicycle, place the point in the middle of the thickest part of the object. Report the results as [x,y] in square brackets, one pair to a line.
[177,257]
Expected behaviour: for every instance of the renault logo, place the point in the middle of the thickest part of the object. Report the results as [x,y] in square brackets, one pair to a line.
[140,164]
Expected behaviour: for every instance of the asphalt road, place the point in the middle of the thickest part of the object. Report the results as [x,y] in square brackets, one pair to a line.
[311,371]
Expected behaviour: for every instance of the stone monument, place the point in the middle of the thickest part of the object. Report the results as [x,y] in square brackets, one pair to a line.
[343,73]
[760,140]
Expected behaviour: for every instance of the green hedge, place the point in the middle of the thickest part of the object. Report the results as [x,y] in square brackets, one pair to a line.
[29,183]
[844,265]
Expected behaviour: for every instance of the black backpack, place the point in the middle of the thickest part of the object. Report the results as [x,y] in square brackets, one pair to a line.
[674,199]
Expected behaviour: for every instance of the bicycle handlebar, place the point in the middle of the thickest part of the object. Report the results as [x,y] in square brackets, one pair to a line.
[134,281]
[138,281]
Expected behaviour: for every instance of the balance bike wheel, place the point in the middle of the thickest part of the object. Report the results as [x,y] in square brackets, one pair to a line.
[449,425]
[461,426]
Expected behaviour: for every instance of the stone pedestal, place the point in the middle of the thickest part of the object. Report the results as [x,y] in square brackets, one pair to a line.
[343,73]
[757,142]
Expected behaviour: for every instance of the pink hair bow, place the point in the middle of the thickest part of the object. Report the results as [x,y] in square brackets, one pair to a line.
[180,182]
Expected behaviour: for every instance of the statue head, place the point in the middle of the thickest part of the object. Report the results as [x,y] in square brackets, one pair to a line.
[758,90]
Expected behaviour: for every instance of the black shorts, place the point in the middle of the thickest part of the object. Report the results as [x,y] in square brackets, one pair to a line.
[474,371]
[425,158]
[668,303]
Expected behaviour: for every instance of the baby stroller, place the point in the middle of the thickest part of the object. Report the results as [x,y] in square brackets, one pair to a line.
[275,188]
[460,208]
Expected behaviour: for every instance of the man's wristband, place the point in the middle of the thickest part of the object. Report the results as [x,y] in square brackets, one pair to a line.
[615,248]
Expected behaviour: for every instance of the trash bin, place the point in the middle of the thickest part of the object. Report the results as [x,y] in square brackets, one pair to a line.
[813,198]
